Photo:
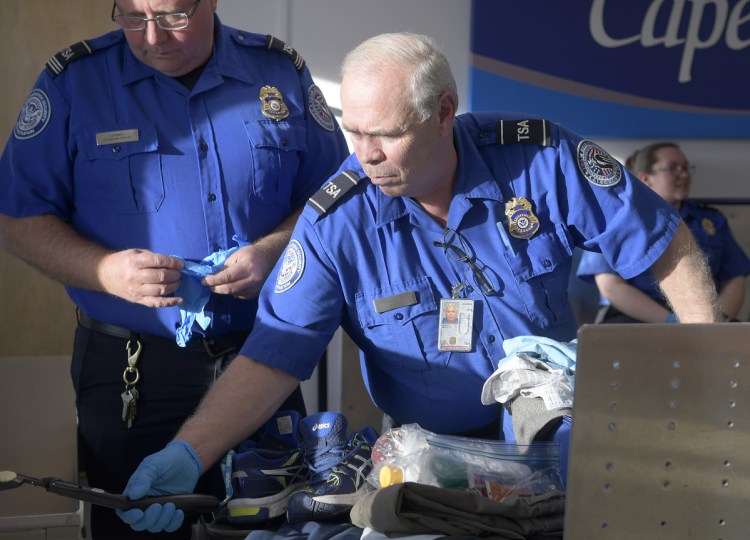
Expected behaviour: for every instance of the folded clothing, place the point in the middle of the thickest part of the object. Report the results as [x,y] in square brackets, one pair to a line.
[412,508]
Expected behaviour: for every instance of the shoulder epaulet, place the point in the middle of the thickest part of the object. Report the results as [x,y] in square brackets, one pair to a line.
[60,61]
[530,131]
[280,46]
[327,196]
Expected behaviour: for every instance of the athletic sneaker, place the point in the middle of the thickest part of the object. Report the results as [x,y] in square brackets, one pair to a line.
[267,470]
[339,469]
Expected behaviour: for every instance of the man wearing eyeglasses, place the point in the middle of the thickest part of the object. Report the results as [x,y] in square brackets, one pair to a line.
[172,150]
[480,209]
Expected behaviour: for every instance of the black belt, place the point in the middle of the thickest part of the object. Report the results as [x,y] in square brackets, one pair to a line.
[212,346]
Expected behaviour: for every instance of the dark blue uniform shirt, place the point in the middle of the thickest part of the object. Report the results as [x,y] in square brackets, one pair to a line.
[711,232]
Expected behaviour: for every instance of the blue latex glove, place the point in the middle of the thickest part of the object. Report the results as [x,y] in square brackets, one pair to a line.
[194,294]
[671,318]
[171,471]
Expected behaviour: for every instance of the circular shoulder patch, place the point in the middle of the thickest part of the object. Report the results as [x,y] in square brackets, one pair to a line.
[292,266]
[597,165]
[34,115]
[319,108]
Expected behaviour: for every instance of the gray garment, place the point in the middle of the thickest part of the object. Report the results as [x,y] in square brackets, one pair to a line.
[412,508]
[530,416]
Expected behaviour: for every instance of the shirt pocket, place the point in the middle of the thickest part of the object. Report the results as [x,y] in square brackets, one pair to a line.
[126,176]
[406,336]
[276,148]
[541,274]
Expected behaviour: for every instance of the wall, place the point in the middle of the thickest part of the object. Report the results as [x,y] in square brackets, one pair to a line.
[36,316]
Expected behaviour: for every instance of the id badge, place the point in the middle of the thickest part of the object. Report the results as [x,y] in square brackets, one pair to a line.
[456,323]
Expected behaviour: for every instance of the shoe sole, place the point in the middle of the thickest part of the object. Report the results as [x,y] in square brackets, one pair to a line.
[262,509]
[326,507]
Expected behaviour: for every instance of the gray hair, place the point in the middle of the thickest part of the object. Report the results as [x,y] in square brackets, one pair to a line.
[431,73]
[643,160]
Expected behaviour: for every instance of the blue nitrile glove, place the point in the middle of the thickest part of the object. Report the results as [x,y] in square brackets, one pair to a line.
[173,470]
[194,294]
[671,318]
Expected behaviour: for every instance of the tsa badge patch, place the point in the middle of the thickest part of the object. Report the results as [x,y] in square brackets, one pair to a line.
[273,103]
[319,108]
[34,115]
[292,266]
[597,165]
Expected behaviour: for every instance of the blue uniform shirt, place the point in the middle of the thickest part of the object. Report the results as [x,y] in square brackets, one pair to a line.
[711,232]
[132,158]
[369,247]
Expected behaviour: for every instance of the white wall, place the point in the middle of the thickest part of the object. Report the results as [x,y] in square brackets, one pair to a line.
[324,30]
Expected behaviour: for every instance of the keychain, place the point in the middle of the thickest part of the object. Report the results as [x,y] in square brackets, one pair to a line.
[131,377]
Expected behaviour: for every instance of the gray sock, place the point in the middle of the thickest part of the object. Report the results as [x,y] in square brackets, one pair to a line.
[530,416]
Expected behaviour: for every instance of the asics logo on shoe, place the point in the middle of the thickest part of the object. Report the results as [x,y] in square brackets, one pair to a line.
[326,425]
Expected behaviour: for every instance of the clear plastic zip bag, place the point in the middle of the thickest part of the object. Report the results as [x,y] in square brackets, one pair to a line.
[495,469]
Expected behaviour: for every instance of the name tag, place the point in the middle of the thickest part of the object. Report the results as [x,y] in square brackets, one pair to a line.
[115,137]
[396,301]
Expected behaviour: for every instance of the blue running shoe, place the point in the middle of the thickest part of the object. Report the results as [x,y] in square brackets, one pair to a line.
[339,469]
[266,471]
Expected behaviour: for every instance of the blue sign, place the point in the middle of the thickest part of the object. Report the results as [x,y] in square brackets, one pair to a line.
[616,68]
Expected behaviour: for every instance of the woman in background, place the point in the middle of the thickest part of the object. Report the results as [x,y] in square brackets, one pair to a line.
[665,169]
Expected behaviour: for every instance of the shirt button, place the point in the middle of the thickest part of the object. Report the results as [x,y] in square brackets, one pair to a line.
[116,149]
[399,316]
[547,263]
[211,197]
[217,248]
[491,338]
[204,146]
[284,142]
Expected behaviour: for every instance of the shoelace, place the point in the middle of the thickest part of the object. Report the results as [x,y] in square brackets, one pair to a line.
[324,459]
[360,471]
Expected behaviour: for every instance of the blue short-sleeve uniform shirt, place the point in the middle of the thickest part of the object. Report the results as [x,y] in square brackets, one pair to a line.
[712,233]
[368,263]
[132,158]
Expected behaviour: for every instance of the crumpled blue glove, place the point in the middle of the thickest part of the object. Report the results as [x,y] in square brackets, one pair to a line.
[194,294]
[671,318]
[173,470]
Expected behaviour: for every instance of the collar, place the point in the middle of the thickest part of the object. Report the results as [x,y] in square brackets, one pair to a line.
[473,181]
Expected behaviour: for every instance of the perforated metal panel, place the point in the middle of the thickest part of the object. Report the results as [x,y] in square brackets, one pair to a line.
[660,446]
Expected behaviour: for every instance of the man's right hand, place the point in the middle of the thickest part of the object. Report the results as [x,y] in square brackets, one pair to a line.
[171,471]
[142,277]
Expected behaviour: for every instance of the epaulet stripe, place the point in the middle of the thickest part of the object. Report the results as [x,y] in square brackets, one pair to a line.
[60,61]
[280,46]
[326,196]
[530,131]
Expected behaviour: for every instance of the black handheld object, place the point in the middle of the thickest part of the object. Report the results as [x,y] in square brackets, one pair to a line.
[189,502]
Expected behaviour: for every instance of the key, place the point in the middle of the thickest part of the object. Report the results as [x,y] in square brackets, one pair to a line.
[126,399]
[132,406]
[129,406]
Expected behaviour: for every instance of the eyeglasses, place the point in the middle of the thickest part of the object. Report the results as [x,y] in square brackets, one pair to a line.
[460,254]
[165,21]
[676,169]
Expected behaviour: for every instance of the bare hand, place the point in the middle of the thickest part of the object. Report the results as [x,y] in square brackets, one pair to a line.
[142,277]
[243,274]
